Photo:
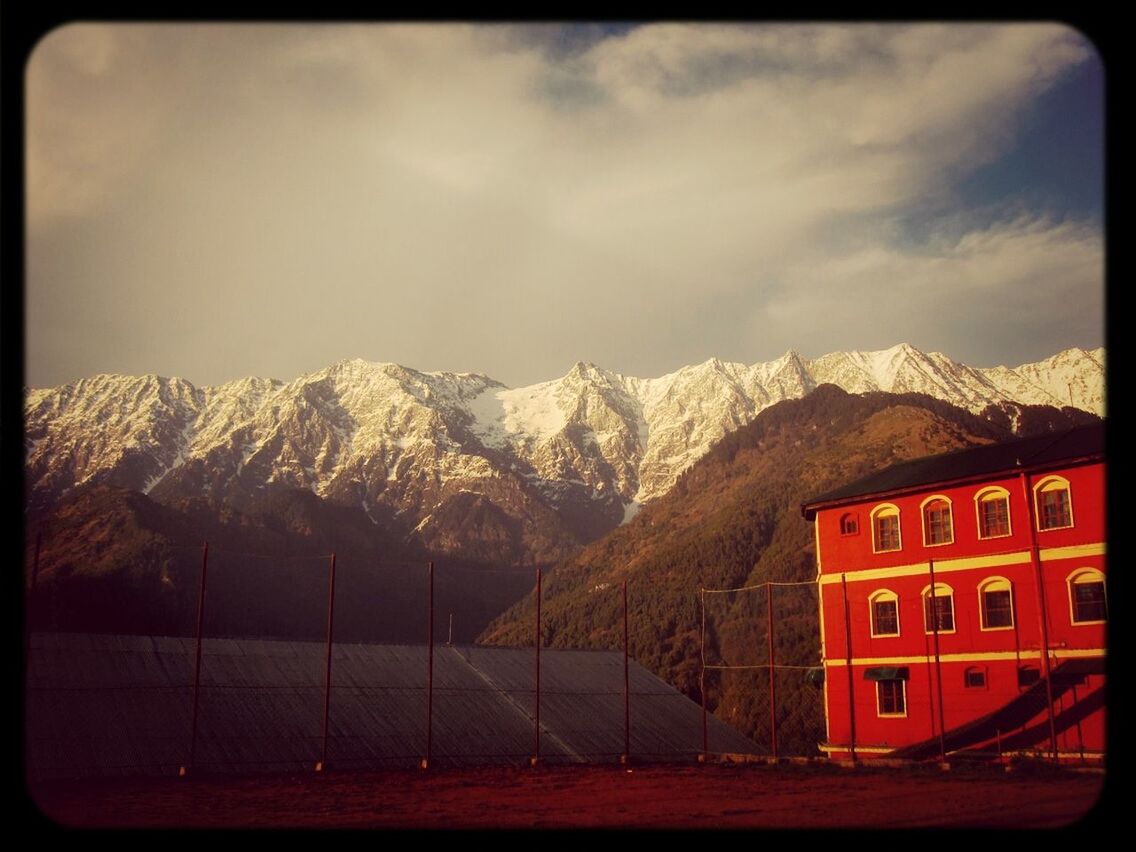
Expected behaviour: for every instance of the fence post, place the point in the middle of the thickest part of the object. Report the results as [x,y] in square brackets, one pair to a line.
[31,605]
[626,685]
[1042,615]
[536,692]
[772,677]
[938,663]
[702,679]
[197,664]
[429,668]
[327,676]
[848,666]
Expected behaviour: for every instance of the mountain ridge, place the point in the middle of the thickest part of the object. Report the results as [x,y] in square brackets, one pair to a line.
[565,460]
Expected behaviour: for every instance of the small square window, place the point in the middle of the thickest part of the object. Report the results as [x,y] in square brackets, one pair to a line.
[975,678]
[1028,676]
[890,698]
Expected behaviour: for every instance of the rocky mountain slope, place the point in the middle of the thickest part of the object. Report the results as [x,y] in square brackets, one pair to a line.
[459,463]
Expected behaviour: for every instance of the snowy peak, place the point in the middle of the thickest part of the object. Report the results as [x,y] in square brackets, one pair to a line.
[593,444]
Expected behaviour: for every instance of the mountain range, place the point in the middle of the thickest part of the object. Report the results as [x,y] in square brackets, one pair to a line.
[458,462]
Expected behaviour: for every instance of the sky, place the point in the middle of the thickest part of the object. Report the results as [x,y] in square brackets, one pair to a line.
[219,201]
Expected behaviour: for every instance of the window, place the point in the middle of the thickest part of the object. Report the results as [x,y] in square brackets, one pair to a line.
[939,609]
[849,524]
[996,604]
[1086,597]
[975,678]
[884,607]
[890,698]
[1028,675]
[937,528]
[885,528]
[1054,506]
[993,505]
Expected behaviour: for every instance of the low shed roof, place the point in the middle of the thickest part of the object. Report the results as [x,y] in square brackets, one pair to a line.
[123,705]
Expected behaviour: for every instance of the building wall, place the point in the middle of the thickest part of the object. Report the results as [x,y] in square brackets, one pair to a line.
[850,574]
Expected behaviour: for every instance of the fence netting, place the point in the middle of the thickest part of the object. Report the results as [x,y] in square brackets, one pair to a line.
[761,669]
[268,663]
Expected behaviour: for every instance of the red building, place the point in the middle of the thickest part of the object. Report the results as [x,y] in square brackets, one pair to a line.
[963,603]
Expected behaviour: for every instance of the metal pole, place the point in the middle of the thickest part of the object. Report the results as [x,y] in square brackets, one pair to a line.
[772,678]
[848,666]
[35,563]
[998,735]
[702,678]
[430,669]
[626,685]
[938,665]
[1080,734]
[327,677]
[31,601]
[450,636]
[197,663]
[1041,614]
[536,693]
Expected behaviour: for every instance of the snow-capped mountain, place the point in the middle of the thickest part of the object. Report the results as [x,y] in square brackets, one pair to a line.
[423,447]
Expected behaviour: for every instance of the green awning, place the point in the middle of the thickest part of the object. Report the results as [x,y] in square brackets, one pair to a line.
[886,673]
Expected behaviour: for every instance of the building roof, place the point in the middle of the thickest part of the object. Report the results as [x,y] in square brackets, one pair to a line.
[1081,444]
[101,705]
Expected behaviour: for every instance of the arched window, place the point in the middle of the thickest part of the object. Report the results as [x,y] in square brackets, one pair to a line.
[995,602]
[884,612]
[937,526]
[993,508]
[849,524]
[1087,602]
[885,528]
[939,609]
[1054,503]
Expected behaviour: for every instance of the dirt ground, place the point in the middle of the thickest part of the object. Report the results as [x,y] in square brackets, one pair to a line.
[586,797]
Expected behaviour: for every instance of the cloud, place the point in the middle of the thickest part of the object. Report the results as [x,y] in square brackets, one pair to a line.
[513,199]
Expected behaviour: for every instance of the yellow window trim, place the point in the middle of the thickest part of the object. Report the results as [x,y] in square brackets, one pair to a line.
[982,496]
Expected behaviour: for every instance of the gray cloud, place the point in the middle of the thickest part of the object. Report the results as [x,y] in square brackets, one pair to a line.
[218,201]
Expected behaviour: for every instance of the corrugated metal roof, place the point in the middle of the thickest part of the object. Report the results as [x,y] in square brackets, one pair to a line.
[122,705]
[1009,457]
